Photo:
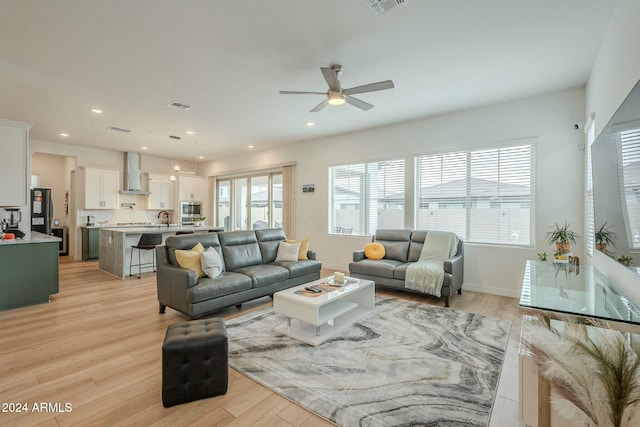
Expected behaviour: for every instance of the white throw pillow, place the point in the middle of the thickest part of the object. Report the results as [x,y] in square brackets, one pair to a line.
[288,251]
[211,262]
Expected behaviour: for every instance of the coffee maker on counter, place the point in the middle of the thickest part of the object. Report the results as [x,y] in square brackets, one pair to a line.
[12,224]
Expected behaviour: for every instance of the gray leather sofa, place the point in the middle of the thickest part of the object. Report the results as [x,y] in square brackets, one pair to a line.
[249,272]
[403,247]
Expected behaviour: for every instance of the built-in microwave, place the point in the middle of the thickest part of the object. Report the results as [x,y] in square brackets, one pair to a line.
[189,210]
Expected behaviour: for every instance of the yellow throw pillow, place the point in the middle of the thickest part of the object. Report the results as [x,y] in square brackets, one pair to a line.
[374,250]
[191,259]
[304,247]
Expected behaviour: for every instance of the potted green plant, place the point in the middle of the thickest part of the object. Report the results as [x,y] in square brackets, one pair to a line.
[605,236]
[563,237]
[626,260]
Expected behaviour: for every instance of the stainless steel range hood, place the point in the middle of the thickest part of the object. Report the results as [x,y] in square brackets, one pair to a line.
[133,175]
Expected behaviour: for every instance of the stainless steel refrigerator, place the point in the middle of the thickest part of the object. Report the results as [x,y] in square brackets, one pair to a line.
[41,210]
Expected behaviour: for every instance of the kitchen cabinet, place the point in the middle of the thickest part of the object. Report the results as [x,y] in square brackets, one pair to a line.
[14,143]
[192,188]
[101,188]
[90,243]
[29,270]
[162,192]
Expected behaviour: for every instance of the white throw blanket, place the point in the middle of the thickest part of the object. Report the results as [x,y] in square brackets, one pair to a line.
[427,274]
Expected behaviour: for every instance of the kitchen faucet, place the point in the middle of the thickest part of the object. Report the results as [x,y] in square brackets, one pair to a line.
[165,217]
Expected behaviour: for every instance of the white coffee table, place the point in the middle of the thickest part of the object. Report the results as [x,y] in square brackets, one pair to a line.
[315,319]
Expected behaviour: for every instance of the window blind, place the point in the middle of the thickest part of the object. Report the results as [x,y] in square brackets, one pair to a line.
[366,196]
[484,196]
[589,208]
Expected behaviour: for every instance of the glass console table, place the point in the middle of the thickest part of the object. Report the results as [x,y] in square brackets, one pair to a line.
[575,294]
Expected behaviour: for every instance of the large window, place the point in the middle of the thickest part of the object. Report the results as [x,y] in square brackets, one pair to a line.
[485,196]
[366,196]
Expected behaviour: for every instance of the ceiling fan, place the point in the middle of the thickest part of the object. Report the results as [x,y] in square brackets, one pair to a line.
[338,96]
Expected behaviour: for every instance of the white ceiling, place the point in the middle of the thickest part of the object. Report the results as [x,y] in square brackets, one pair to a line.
[228,60]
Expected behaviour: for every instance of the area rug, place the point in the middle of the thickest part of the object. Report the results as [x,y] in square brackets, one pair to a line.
[406,364]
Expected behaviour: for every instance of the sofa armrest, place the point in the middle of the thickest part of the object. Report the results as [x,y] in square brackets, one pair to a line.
[358,255]
[172,282]
[455,267]
[311,255]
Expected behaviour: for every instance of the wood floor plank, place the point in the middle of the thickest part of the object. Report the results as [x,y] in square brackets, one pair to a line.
[97,345]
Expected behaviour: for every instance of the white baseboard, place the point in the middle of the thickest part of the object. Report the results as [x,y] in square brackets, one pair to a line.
[493,290]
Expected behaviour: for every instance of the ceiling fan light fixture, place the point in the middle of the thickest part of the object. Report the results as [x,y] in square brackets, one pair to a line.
[336,99]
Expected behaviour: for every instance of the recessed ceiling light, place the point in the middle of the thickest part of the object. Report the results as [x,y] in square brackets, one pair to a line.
[97,111]
[309,124]
[190,132]
[201,157]
[251,146]
[64,134]
[145,148]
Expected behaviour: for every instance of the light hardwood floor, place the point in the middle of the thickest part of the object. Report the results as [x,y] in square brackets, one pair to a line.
[97,347]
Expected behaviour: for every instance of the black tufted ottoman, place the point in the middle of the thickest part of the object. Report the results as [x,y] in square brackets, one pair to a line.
[194,361]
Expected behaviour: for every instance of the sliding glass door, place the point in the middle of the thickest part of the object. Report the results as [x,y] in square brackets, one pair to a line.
[250,202]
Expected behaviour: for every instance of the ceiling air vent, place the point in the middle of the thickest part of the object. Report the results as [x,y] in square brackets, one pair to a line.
[378,7]
[178,105]
[117,129]
[175,137]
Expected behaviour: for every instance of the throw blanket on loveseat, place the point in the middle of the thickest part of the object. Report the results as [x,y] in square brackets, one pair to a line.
[427,274]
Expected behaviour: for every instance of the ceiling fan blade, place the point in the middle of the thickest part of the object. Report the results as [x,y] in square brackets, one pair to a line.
[358,103]
[331,76]
[371,87]
[320,106]
[296,92]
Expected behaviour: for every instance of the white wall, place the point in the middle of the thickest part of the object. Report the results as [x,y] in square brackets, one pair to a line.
[615,72]
[491,269]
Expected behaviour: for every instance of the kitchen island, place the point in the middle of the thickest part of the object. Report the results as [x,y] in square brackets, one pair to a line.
[115,246]
[29,269]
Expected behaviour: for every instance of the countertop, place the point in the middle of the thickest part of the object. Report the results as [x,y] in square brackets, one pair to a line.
[158,228]
[110,225]
[31,237]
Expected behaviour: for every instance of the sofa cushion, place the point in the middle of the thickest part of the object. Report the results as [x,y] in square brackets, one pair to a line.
[374,250]
[191,259]
[188,241]
[225,284]
[396,243]
[287,251]
[211,263]
[370,267]
[269,239]
[239,249]
[264,274]
[304,248]
[300,268]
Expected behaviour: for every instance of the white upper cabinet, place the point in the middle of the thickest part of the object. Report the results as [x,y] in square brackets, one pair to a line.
[192,188]
[14,143]
[162,192]
[101,187]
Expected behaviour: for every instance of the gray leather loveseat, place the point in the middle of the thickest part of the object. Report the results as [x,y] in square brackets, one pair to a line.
[403,247]
[249,271]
